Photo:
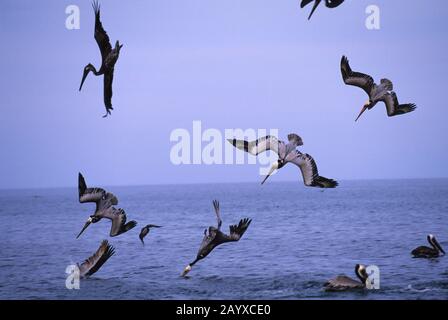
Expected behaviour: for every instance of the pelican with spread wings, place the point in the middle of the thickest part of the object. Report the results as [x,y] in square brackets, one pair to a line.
[382,92]
[96,261]
[105,202]
[216,237]
[287,153]
[109,58]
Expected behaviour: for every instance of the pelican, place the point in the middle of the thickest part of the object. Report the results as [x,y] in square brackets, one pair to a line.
[105,202]
[427,252]
[382,92]
[328,3]
[109,57]
[94,262]
[215,237]
[145,231]
[287,153]
[342,283]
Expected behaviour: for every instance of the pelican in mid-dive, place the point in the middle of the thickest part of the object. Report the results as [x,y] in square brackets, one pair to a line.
[94,262]
[105,202]
[287,153]
[382,92]
[328,3]
[109,58]
[342,283]
[427,252]
[215,237]
[145,230]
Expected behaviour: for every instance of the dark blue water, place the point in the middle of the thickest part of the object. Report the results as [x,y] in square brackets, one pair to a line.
[299,238]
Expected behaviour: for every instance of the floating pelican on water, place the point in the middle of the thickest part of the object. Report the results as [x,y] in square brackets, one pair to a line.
[427,252]
[342,283]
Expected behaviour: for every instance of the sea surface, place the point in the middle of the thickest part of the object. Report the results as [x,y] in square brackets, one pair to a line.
[299,238]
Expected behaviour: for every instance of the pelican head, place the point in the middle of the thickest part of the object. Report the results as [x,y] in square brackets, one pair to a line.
[92,219]
[87,69]
[361,273]
[367,105]
[434,243]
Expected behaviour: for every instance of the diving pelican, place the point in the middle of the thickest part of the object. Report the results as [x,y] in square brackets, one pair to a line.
[145,231]
[342,283]
[287,153]
[328,3]
[427,252]
[105,202]
[109,57]
[215,237]
[94,262]
[382,92]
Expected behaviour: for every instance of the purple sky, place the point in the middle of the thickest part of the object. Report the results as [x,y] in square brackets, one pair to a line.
[230,64]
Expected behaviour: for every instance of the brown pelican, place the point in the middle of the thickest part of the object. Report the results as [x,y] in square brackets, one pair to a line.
[93,263]
[287,153]
[328,3]
[427,252]
[342,283]
[104,208]
[215,237]
[145,231]
[381,92]
[109,57]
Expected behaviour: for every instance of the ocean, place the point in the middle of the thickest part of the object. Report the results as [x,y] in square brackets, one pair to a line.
[299,238]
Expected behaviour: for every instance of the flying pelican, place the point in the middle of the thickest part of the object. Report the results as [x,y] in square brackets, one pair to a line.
[104,208]
[145,231]
[427,252]
[215,237]
[377,93]
[109,57]
[328,3]
[342,283]
[287,153]
[94,262]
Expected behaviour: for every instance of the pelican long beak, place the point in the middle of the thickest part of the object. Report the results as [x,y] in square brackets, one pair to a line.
[265,178]
[364,108]
[88,222]
[186,270]
[84,76]
[438,246]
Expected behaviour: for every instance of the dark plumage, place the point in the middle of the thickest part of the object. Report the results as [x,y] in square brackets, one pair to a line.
[343,283]
[435,251]
[328,3]
[382,92]
[105,202]
[145,230]
[94,262]
[287,153]
[216,237]
[109,57]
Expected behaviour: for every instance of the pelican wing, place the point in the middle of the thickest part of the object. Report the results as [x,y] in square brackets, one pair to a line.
[333,3]
[101,37]
[306,2]
[119,225]
[309,171]
[393,107]
[94,262]
[218,216]
[342,283]
[260,145]
[108,79]
[356,79]
[237,231]
[99,196]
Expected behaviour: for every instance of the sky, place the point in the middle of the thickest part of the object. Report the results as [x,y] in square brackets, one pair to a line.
[230,64]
